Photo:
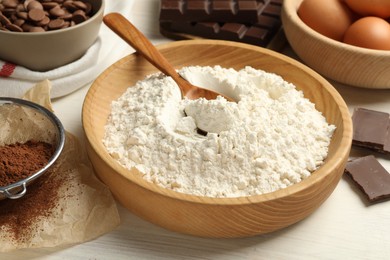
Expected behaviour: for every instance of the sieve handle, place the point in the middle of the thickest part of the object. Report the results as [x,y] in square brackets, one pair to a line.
[8,192]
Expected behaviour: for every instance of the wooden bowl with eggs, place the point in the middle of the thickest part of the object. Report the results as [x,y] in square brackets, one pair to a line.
[347,64]
[207,216]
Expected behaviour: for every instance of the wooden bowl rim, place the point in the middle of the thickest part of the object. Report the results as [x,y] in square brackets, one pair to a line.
[329,167]
[290,8]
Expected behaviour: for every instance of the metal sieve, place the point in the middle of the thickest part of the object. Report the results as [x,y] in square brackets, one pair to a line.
[50,129]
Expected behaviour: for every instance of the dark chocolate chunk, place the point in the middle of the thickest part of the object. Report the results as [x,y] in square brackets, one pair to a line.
[371,177]
[371,130]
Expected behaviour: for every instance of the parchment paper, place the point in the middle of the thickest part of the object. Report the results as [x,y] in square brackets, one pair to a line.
[85,208]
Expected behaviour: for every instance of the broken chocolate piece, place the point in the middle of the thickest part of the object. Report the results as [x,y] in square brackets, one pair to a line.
[371,130]
[370,176]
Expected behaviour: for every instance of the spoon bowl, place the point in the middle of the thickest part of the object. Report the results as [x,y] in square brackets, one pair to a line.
[136,39]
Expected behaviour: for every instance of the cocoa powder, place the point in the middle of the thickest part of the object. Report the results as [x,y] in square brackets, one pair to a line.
[20,160]
[19,217]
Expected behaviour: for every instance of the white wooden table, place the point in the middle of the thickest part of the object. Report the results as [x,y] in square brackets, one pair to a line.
[344,227]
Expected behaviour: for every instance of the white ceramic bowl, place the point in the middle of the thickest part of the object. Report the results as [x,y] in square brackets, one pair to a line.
[43,51]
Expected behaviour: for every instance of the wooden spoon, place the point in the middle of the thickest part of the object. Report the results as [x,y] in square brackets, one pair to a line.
[128,32]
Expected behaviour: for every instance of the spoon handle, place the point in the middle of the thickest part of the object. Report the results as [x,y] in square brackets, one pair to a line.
[136,39]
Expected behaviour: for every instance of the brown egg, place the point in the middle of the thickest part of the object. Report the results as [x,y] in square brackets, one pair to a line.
[369,32]
[380,8]
[328,17]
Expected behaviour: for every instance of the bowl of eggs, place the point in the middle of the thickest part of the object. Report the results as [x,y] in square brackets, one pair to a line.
[346,41]
[147,151]
[44,35]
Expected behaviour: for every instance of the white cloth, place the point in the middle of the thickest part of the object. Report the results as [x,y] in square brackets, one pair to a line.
[16,80]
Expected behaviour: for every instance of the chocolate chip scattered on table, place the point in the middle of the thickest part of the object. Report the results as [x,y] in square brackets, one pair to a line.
[42,15]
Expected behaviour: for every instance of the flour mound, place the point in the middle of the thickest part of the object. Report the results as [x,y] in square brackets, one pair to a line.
[271,138]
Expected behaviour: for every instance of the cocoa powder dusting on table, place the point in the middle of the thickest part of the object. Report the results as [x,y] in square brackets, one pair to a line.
[21,160]
[17,161]
[19,216]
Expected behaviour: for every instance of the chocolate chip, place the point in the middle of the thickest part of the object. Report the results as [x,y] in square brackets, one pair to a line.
[36,29]
[26,27]
[56,24]
[4,20]
[22,15]
[34,5]
[19,22]
[66,24]
[69,5]
[79,16]
[14,28]
[8,11]
[57,11]
[10,3]
[67,16]
[36,15]
[80,5]
[88,10]
[49,5]
[45,21]
[26,3]
[20,8]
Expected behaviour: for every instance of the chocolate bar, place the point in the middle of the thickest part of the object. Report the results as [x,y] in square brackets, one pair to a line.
[371,130]
[265,32]
[240,11]
[252,34]
[370,176]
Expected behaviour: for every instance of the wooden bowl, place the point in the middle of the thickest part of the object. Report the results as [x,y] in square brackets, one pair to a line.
[341,62]
[205,216]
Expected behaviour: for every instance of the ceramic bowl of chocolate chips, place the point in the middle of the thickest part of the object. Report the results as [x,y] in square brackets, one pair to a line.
[31,140]
[42,35]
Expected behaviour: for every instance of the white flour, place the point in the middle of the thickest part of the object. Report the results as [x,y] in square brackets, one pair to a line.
[272,138]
